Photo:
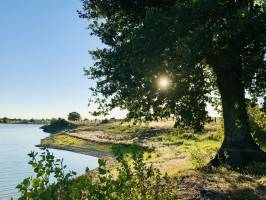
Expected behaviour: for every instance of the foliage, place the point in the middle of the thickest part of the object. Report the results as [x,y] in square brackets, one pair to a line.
[142,44]
[199,45]
[57,125]
[257,118]
[199,157]
[257,168]
[130,182]
[6,120]
[181,40]
[43,185]
[74,116]
[104,121]
[264,105]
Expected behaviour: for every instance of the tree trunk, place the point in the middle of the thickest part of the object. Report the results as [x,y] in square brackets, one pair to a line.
[238,148]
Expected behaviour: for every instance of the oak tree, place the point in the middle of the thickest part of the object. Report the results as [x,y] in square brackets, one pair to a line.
[192,42]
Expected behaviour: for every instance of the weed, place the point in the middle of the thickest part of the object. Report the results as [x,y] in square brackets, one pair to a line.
[132,182]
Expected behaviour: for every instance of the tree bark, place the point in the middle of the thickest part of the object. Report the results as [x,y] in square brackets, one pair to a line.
[238,148]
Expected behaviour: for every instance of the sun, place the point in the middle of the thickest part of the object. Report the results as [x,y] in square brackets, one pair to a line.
[163,82]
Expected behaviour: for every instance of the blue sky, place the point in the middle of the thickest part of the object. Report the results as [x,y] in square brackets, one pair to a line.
[43,50]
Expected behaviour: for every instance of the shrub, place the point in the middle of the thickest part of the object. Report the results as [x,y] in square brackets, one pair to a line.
[199,157]
[50,178]
[131,182]
[57,125]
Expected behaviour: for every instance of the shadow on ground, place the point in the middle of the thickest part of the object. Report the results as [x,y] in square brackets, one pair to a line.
[129,149]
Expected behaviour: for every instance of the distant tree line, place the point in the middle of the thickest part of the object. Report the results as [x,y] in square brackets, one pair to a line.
[6,120]
[72,117]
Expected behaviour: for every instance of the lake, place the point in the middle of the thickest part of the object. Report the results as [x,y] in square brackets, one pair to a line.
[16,141]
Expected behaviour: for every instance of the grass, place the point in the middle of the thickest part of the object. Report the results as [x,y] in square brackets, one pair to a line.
[166,148]
[180,154]
[64,140]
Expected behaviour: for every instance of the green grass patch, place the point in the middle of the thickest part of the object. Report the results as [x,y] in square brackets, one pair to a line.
[64,140]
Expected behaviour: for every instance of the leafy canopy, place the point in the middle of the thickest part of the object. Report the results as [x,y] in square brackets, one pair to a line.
[188,41]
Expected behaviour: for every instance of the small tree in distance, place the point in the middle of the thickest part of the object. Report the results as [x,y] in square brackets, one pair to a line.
[74,116]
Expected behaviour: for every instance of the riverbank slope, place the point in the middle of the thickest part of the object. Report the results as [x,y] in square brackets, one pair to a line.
[182,154]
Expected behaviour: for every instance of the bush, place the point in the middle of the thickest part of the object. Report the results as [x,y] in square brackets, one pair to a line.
[50,178]
[131,182]
[57,125]
[199,157]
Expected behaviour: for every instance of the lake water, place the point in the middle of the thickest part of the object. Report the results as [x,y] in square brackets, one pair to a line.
[16,141]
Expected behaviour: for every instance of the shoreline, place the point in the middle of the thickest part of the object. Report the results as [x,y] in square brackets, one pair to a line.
[84,151]
[107,157]
[171,151]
